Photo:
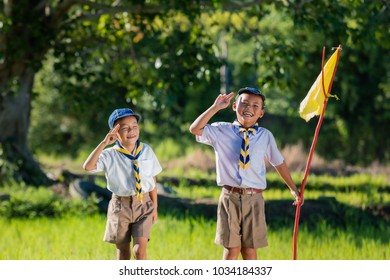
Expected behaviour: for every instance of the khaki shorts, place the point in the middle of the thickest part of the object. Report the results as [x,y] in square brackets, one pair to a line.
[127,217]
[241,220]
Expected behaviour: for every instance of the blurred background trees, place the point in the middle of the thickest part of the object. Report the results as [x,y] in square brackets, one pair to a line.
[65,65]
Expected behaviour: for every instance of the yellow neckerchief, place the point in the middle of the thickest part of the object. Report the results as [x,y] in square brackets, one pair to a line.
[134,159]
[244,161]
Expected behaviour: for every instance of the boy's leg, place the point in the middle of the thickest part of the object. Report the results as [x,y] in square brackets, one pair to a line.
[139,248]
[248,253]
[123,251]
[228,231]
[143,215]
[231,253]
[254,226]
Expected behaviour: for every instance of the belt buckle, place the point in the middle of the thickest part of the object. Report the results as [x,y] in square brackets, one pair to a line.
[239,190]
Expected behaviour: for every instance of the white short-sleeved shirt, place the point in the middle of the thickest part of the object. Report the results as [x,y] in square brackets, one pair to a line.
[226,140]
[119,171]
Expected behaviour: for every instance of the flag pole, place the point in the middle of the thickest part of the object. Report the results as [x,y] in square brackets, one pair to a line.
[314,142]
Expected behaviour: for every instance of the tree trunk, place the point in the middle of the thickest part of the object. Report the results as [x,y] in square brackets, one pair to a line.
[16,160]
[25,39]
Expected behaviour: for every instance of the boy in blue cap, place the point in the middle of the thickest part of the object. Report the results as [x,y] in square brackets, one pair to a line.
[241,148]
[130,167]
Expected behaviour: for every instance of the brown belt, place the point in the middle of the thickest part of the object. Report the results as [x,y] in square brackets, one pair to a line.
[130,198]
[242,190]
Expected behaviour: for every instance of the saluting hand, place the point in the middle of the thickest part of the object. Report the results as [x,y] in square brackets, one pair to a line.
[223,100]
[112,135]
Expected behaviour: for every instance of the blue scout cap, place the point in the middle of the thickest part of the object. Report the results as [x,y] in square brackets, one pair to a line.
[251,90]
[121,113]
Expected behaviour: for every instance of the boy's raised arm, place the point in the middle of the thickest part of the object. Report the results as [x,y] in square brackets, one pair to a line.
[222,102]
[90,162]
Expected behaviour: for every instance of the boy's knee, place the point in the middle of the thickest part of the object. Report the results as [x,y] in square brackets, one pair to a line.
[248,253]
[139,252]
[231,253]
[139,248]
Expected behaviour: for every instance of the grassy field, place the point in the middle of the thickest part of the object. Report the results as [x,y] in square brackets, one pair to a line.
[343,218]
[80,238]
[331,229]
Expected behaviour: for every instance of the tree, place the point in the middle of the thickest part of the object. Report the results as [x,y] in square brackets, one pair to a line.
[26,30]
[29,29]
[362,79]
[158,56]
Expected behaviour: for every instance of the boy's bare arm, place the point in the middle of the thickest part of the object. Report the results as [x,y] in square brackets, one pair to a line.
[153,197]
[283,171]
[90,162]
[222,102]
[198,125]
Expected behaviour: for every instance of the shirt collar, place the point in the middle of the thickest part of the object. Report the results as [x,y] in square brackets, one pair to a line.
[236,128]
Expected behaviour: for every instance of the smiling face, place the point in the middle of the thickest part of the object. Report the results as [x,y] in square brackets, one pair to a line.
[248,108]
[128,132]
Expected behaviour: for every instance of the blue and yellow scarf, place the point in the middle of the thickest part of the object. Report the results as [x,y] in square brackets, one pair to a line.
[134,159]
[244,161]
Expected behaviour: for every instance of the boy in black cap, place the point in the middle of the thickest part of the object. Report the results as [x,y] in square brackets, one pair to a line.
[130,167]
[241,148]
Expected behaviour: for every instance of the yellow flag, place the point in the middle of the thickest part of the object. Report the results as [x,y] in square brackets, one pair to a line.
[313,103]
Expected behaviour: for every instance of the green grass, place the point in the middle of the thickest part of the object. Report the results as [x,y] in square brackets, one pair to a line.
[80,238]
[359,190]
[74,231]
[69,238]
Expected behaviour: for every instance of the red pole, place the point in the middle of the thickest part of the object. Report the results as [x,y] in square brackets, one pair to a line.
[316,133]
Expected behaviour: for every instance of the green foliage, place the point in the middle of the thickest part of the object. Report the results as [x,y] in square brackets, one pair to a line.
[133,69]
[31,202]
[14,167]
[355,182]
[167,69]
[163,59]
[7,168]
[170,149]
[359,190]
[362,78]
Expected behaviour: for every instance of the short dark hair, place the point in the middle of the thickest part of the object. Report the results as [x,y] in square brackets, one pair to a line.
[251,90]
[238,96]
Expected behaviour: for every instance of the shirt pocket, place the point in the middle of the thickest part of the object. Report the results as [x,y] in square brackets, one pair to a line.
[257,155]
[146,167]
